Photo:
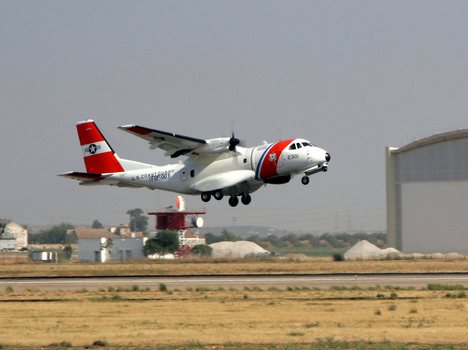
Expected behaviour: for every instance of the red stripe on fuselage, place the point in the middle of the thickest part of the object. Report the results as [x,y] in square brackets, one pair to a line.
[269,166]
[88,133]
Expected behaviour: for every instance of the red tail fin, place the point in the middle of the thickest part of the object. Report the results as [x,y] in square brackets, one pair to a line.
[99,157]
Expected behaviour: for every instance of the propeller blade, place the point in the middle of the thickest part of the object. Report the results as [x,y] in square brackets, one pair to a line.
[233,142]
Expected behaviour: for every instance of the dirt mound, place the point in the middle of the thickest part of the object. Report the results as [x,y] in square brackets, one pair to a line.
[364,250]
[239,249]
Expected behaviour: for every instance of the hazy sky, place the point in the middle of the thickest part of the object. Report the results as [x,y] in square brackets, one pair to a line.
[350,76]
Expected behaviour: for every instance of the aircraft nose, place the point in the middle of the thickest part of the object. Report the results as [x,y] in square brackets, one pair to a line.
[319,155]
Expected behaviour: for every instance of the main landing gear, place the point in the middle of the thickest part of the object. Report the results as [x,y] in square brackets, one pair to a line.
[233,200]
[205,197]
[245,199]
[305,180]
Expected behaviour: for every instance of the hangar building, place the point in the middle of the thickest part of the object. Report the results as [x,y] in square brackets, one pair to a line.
[427,194]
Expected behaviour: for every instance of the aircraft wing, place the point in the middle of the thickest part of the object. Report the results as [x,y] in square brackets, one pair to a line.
[223,180]
[91,179]
[175,145]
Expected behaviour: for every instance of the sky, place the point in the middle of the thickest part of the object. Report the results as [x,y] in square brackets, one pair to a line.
[350,76]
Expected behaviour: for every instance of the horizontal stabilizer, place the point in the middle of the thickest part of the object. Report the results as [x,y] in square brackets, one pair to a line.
[90,179]
[76,175]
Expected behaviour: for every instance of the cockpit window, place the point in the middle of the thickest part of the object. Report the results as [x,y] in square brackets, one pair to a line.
[298,145]
[306,144]
[293,146]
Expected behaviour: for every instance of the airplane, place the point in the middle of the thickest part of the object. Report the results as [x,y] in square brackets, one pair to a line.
[212,168]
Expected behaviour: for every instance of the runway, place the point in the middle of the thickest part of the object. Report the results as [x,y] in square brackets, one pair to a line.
[236,281]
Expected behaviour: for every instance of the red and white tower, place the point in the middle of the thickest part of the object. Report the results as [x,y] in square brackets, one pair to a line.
[186,223]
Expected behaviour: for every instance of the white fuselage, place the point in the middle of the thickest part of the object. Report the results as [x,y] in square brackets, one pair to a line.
[264,162]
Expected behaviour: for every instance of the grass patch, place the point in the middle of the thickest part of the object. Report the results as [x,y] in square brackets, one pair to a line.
[445,287]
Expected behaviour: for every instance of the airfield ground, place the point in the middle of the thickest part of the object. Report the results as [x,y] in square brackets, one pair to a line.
[253,317]
[372,318]
[186,267]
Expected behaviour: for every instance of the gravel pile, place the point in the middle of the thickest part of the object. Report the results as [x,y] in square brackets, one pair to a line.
[364,250]
[239,249]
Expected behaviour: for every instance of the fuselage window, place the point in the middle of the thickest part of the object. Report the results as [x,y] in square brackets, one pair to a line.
[192,173]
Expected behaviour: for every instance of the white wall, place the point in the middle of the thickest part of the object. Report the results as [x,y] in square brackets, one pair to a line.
[122,249]
[89,250]
[434,217]
[125,249]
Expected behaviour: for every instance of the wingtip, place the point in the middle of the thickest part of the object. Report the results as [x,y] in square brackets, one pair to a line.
[65,174]
[128,126]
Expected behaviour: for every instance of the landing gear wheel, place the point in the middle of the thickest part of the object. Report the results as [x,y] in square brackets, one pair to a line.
[305,180]
[205,197]
[246,199]
[233,201]
[324,168]
[218,195]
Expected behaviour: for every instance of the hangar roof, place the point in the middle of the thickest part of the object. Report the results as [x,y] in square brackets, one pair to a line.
[431,140]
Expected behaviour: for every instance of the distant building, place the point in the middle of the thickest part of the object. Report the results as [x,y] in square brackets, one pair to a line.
[100,245]
[12,236]
[44,256]
[124,231]
[427,194]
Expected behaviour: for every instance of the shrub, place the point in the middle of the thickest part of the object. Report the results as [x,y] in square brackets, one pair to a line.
[202,250]
[338,257]
[162,287]
[100,343]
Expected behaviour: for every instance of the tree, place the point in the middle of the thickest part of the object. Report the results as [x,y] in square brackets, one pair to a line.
[165,242]
[67,252]
[97,224]
[151,247]
[202,250]
[54,235]
[212,238]
[228,236]
[138,221]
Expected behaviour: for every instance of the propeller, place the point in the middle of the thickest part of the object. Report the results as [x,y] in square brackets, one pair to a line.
[233,142]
